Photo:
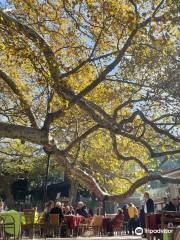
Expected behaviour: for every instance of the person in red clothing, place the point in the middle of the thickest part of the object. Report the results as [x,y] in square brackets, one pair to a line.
[117,221]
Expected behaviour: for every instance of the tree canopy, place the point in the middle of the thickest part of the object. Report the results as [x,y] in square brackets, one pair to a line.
[95,84]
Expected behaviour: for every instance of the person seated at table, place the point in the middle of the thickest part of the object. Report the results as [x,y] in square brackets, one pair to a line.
[90,212]
[117,221]
[62,207]
[169,206]
[72,210]
[67,211]
[81,210]
[49,205]
[58,210]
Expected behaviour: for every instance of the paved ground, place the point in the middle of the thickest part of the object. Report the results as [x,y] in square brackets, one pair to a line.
[98,238]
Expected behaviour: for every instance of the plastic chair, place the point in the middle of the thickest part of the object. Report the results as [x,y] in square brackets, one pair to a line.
[55,224]
[2,228]
[28,227]
[84,226]
[118,228]
[96,224]
[54,219]
[7,223]
[29,215]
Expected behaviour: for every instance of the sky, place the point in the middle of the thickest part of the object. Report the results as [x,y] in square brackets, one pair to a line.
[3,3]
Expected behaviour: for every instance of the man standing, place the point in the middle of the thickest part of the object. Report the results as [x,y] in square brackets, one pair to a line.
[148,203]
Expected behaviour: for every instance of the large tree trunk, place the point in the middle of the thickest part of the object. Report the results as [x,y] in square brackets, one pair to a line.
[73,191]
[5,188]
[9,197]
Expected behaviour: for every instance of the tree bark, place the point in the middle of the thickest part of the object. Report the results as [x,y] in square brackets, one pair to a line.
[23,133]
[5,188]
[73,191]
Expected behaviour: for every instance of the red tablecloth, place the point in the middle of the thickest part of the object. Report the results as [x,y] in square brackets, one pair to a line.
[153,220]
[74,221]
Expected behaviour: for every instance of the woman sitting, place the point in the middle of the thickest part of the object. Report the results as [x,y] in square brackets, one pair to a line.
[117,221]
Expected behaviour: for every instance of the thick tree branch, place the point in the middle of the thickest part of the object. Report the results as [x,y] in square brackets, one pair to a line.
[139,183]
[10,82]
[50,117]
[23,133]
[87,180]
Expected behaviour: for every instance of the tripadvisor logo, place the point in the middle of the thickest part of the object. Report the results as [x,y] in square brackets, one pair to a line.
[139,231]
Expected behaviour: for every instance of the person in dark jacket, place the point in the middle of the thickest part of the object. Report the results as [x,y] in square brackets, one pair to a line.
[57,210]
[67,211]
[126,218]
[82,210]
[91,213]
[142,217]
[148,203]
[169,206]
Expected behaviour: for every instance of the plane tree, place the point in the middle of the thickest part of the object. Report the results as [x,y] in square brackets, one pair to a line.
[93,83]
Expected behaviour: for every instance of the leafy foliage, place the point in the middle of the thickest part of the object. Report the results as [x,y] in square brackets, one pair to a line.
[95,76]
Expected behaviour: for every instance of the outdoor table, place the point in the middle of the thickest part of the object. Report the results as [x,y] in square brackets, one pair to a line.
[73,221]
[153,220]
[6,215]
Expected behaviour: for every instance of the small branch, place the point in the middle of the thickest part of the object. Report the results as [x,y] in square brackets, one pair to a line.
[154,126]
[173,152]
[15,154]
[50,117]
[80,138]
[126,103]
[124,158]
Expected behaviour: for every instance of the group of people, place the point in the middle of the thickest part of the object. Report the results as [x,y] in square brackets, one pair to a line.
[131,217]
[135,217]
[59,208]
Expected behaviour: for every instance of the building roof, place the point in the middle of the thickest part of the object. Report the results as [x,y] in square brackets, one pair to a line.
[175,173]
